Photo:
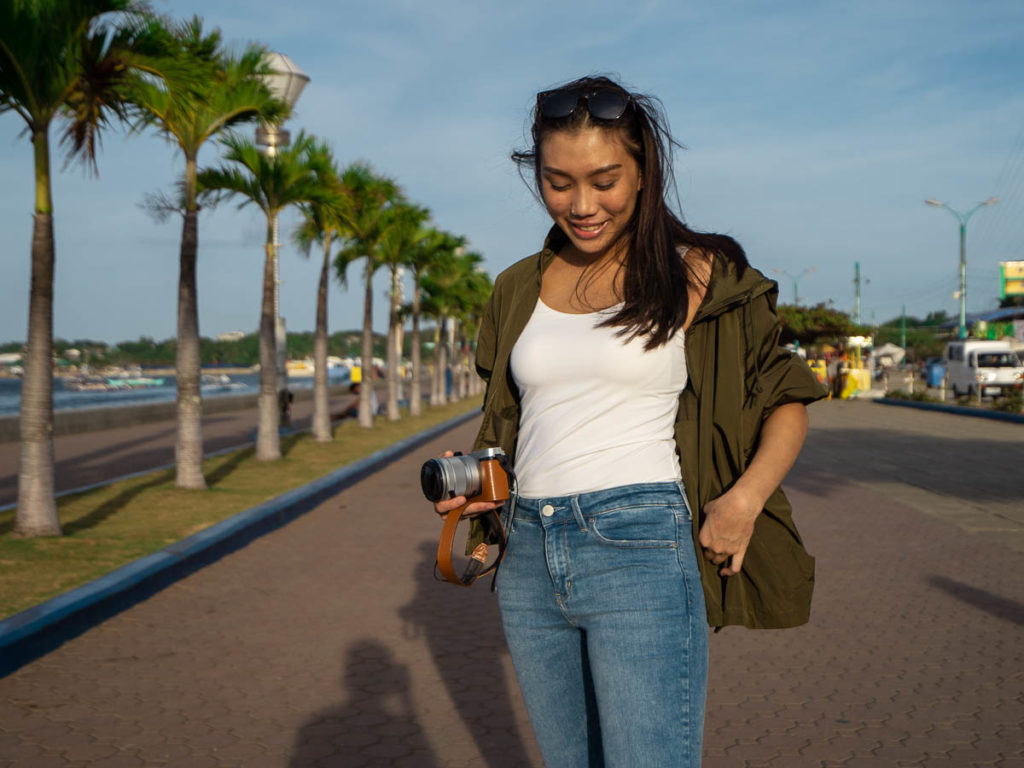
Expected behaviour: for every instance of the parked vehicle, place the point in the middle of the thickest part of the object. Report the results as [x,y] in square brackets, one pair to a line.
[988,366]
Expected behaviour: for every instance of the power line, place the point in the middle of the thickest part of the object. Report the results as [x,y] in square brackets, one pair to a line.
[997,234]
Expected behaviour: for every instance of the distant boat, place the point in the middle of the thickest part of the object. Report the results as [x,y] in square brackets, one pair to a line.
[138,382]
[300,369]
[219,383]
[304,369]
[87,383]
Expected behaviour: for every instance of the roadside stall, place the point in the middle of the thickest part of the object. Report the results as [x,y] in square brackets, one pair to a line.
[854,368]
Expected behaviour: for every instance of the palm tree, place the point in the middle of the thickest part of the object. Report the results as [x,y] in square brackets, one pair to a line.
[476,290]
[368,196]
[432,246]
[72,60]
[223,91]
[322,223]
[291,176]
[444,287]
[402,227]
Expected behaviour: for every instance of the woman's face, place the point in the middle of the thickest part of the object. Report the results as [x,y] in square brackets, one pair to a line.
[589,183]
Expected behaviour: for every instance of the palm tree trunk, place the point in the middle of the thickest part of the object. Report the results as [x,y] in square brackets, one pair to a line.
[37,507]
[415,396]
[441,361]
[435,388]
[188,451]
[463,368]
[268,440]
[394,354]
[321,412]
[366,386]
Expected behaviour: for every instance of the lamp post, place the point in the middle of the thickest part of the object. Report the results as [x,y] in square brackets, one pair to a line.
[796,281]
[285,81]
[963,219]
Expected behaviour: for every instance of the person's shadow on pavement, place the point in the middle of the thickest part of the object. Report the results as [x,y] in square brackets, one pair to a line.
[463,630]
[376,726]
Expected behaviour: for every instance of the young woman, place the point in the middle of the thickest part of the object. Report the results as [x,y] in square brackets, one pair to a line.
[634,376]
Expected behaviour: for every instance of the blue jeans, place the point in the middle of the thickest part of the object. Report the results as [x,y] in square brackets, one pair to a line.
[603,610]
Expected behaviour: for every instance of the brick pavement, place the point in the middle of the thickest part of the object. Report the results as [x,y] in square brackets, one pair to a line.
[328,644]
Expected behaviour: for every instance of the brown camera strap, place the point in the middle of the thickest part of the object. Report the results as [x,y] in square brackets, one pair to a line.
[492,524]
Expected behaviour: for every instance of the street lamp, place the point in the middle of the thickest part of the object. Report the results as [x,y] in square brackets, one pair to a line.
[285,81]
[796,281]
[963,219]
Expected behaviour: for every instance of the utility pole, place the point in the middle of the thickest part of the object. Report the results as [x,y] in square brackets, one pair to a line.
[856,281]
[903,336]
[963,219]
[796,281]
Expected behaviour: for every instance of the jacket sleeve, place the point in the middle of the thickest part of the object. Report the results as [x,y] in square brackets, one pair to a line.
[781,376]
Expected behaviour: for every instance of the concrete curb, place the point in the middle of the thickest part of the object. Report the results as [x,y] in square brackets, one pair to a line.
[36,631]
[959,410]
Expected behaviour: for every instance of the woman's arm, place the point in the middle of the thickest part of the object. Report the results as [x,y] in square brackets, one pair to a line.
[729,519]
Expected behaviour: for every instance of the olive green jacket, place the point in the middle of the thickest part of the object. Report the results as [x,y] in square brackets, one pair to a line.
[738,374]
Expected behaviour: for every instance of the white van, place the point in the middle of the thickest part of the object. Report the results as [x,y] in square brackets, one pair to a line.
[990,365]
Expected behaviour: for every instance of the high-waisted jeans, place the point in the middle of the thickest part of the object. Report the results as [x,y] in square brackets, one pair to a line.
[603,610]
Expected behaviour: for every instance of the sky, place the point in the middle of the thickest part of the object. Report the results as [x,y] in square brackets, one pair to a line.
[813,132]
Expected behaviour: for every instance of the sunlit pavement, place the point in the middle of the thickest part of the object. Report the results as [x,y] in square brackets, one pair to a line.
[328,643]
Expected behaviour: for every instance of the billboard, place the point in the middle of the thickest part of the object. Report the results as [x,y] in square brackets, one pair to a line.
[1011,278]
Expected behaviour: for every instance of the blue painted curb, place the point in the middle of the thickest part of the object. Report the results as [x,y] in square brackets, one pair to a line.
[38,630]
[959,410]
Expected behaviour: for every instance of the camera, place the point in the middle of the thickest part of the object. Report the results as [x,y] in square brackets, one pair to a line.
[479,476]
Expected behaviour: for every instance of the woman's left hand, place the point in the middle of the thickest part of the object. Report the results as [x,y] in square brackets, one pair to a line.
[728,526]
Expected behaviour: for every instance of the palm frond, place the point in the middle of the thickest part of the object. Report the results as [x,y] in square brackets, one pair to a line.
[344,256]
[226,182]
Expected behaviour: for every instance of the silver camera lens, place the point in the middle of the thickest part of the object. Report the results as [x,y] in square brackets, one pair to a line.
[451,477]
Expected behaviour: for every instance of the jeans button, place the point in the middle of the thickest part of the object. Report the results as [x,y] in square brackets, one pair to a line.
[547,510]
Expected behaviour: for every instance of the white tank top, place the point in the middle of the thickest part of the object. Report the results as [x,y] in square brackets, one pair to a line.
[597,411]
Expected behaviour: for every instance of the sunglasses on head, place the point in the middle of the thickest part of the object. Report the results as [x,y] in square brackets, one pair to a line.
[602,104]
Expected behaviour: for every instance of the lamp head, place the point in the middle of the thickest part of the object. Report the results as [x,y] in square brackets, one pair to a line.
[285,80]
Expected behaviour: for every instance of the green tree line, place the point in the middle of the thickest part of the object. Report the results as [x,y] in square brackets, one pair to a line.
[242,352]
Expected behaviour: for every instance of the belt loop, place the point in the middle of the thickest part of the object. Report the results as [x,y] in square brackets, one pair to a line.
[577,512]
[686,500]
[510,514]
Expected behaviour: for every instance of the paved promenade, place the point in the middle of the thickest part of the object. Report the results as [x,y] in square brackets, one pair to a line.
[327,643]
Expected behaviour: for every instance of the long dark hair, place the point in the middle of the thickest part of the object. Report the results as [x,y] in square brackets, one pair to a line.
[655,300]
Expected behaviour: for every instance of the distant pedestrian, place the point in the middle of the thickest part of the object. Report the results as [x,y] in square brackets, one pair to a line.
[285,398]
[630,355]
[352,411]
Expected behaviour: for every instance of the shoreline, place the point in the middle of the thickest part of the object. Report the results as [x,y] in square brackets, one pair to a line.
[74,421]
[147,371]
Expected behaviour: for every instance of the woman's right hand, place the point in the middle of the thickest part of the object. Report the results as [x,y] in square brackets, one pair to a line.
[445,506]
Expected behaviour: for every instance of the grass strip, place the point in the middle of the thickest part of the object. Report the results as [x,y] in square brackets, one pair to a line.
[108,527]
